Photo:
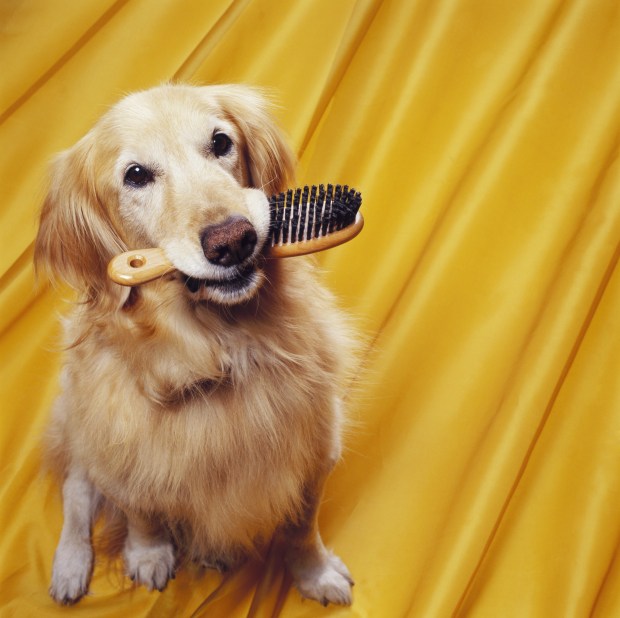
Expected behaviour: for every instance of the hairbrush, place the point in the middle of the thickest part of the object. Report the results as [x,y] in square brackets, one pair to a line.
[303,220]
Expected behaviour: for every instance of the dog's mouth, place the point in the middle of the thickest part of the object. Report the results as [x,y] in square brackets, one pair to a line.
[237,286]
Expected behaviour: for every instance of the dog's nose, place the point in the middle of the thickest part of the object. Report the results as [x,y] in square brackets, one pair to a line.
[230,242]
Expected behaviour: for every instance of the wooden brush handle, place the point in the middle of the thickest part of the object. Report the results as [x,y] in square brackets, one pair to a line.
[144,265]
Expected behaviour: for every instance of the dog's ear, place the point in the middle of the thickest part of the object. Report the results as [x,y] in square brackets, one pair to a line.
[271,163]
[76,237]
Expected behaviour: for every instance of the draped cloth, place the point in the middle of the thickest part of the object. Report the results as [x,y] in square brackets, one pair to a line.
[481,474]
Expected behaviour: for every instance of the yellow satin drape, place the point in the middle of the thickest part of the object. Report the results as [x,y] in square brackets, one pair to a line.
[482,472]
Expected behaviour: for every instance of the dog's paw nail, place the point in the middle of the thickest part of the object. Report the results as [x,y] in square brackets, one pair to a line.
[68,600]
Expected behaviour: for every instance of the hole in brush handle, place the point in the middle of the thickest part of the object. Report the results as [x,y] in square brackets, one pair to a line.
[137,262]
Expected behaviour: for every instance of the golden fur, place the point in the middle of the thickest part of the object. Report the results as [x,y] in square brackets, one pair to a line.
[209,418]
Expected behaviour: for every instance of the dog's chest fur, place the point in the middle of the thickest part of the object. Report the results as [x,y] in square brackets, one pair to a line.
[216,419]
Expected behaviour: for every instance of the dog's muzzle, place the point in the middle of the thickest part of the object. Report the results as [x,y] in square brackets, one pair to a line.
[230,246]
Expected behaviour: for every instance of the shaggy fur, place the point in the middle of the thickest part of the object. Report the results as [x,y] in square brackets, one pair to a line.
[209,417]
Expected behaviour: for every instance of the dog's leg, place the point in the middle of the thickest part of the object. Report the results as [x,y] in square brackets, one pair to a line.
[149,555]
[318,573]
[73,561]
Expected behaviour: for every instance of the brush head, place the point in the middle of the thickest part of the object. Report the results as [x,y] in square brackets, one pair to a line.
[310,213]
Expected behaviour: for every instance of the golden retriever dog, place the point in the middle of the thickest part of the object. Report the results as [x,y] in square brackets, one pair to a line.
[203,407]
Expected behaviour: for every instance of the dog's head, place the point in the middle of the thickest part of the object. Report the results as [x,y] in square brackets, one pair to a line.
[184,168]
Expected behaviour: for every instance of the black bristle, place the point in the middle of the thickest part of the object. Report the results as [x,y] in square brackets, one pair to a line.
[287,215]
[276,204]
[295,215]
[355,202]
[337,210]
[320,205]
[327,212]
[311,213]
[301,234]
[281,215]
[345,216]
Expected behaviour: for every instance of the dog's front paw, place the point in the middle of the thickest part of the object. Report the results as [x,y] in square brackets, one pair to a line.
[324,578]
[73,565]
[151,566]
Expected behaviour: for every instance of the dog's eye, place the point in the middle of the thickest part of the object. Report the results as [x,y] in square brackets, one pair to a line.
[138,176]
[221,144]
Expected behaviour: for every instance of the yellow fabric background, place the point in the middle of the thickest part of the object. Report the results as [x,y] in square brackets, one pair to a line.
[483,475]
